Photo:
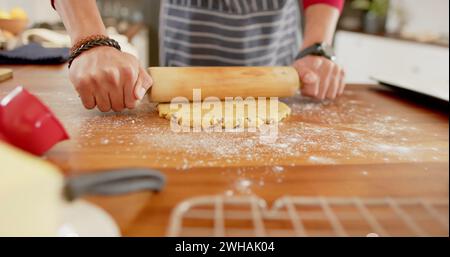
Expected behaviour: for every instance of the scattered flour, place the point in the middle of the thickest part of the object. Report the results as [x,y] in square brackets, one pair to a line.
[321,160]
[348,130]
[243,186]
[345,131]
[277,169]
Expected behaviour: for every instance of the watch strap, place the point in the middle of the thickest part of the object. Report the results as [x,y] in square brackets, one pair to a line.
[316,50]
[307,51]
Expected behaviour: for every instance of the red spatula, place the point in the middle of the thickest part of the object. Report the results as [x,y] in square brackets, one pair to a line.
[28,124]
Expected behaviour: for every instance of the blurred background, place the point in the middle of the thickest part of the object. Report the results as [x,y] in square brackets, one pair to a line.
[400,41]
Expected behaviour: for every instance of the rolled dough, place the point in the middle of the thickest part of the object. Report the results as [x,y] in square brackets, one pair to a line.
[226,115]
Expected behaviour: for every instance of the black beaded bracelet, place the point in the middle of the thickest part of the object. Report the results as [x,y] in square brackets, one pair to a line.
[92,44]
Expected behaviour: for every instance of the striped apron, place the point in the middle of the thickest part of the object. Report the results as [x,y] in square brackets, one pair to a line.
[229,32]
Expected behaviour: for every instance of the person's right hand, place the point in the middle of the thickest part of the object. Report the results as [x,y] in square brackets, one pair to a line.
[109,79]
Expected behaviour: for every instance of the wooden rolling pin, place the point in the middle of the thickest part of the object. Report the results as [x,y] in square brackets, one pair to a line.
[221,82]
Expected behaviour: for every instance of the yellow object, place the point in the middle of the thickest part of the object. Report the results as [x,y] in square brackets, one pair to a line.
[18,13]
[222,82]
[5,74]
[4,14]
[30,194]
[213,114]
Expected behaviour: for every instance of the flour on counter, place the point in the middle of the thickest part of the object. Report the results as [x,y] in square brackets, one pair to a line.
[317,133]
[321,160]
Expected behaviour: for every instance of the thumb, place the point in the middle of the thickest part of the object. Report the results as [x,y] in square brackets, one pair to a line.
[309,79]
[307,76]
[143,85]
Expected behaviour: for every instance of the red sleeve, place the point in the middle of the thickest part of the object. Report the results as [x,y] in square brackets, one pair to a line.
[339,4]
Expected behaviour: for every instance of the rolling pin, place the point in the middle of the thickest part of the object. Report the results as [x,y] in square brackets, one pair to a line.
[222,82]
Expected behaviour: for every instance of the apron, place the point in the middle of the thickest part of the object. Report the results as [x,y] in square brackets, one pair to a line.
[229,32]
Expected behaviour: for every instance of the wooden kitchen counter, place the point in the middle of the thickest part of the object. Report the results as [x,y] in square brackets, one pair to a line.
[369,143]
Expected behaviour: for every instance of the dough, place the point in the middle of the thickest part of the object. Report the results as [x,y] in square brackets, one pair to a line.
[31,201]
[231,114]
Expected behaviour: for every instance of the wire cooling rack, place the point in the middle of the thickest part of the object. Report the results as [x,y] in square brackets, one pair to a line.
[248,216]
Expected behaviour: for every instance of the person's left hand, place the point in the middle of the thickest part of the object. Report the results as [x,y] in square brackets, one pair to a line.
[320,77]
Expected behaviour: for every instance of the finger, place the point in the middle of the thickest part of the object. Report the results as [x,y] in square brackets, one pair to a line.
[334,83]
[141,89]
[103,101]
[306,74]
[129,76]
[85,94]
[114,88]
[342,83]
[310,84]
[128,93]
[311,89]
[117,99]
[309,79]
[88,101]
[325,78]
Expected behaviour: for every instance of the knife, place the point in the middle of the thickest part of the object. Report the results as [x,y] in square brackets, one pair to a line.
[114,182]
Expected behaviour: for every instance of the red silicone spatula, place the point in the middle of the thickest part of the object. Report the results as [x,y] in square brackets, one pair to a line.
[28,124]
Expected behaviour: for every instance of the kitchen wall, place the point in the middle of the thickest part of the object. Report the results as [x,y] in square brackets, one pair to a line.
[419,17]
[37,10]
[365,56]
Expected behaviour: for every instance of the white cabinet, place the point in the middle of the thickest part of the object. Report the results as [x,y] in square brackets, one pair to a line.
[37,10]
[364,56]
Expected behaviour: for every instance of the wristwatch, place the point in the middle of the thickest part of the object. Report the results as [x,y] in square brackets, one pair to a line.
[318,49]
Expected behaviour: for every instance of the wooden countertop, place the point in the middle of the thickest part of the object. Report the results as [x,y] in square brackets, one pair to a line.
[369,143]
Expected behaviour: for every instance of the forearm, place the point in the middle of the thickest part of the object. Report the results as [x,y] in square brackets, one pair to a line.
[320,24]
[81,18]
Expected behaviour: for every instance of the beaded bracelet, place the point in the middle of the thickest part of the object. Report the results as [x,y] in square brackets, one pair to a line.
[92,43]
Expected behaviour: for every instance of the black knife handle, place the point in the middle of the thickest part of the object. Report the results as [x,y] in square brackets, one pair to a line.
[114,182]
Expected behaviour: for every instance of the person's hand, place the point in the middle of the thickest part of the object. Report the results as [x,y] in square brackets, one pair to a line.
[320,77]
[109,79]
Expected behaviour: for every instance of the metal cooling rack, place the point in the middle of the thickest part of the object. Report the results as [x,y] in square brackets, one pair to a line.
[309,216]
